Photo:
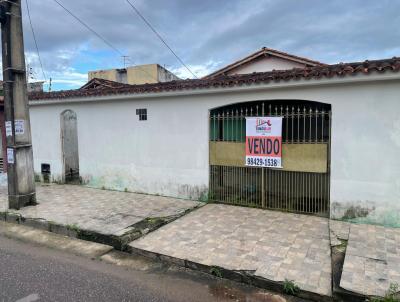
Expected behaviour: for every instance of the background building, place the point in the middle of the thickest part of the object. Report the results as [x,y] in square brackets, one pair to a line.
[140,74]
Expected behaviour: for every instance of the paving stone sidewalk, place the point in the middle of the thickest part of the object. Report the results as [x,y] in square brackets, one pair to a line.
[372,260]
[339,231]
[106,212]
[275,245]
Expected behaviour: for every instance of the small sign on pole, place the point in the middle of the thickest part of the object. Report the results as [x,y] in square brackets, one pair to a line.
[264,141]
[19,127]
[8,128]
[10,156]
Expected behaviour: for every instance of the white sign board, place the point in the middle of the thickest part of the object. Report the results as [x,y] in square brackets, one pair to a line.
[10,156]
[19,127]
[8,128]
[264,141]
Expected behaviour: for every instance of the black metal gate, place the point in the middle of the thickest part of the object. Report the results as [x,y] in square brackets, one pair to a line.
[303,183]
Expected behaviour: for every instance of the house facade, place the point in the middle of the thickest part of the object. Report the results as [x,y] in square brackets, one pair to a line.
[341,138]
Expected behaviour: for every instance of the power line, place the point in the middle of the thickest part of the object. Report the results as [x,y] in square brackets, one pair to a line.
[159,36]
[98,35]
[34,38]
[89,28]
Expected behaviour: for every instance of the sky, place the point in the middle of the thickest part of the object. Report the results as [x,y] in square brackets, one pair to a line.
[206,34]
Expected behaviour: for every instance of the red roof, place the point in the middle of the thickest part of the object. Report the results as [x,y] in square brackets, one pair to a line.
[97,83]
[264,52]
[316,72]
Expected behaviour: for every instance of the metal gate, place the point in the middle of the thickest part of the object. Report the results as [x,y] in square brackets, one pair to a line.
[302,185]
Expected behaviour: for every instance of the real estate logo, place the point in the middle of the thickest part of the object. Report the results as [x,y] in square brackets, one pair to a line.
[263,125]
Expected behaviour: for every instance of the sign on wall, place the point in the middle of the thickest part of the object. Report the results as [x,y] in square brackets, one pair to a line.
[264,141]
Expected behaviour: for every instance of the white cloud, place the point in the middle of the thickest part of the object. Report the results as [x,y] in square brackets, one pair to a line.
[69,78]
[206,34]
[199,70]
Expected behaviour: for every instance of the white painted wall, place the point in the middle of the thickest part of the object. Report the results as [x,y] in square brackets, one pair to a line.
[168,153]
[266,64]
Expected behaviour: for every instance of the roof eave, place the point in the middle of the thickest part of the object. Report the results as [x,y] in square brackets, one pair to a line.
[360,78]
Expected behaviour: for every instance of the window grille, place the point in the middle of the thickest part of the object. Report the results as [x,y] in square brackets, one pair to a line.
[142,113]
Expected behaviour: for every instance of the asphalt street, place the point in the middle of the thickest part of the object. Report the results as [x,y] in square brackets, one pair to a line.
[30,273]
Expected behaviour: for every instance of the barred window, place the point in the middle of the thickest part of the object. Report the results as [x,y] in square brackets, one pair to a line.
[142,113]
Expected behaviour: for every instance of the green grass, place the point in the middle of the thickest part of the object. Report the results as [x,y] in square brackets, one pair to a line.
[290,288]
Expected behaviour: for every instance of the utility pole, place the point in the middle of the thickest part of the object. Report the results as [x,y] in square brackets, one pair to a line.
[21,182]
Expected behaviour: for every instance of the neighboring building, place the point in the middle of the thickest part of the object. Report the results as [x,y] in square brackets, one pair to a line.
[185,138]
[266,59]
[35,86]
[134,75]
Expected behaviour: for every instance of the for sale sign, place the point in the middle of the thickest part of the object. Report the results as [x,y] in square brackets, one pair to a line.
[264,141]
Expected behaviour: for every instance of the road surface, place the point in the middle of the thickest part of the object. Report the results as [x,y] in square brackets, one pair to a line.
[30,273]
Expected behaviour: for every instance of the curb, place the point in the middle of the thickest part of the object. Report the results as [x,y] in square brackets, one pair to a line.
[50,240]
[246,277]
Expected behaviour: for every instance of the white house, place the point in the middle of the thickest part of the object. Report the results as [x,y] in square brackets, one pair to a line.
[341,136]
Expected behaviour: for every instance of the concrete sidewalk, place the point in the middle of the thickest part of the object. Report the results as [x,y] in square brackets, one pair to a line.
[106,213]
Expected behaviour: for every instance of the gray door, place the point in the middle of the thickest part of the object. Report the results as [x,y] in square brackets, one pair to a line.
[69,143]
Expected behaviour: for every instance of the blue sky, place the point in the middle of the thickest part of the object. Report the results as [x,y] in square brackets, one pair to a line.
[206,34]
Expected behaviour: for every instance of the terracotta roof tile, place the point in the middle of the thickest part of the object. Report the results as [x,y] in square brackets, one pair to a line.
[262,53]
[316,72]
[97,83]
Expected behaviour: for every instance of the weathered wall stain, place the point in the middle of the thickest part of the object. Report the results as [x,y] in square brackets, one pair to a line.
[367,212]
[356,212]
[126,183]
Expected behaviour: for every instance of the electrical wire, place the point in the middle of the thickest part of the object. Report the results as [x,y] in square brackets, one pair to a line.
[99,36]
[159,36]
[34,39]
[89,28]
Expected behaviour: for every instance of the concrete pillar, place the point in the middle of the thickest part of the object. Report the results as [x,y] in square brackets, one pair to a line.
[21,183]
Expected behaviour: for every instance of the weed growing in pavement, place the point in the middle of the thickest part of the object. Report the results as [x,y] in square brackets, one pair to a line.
[343,245]
[73,227]
[392,295]
[215,271]
[291,288]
